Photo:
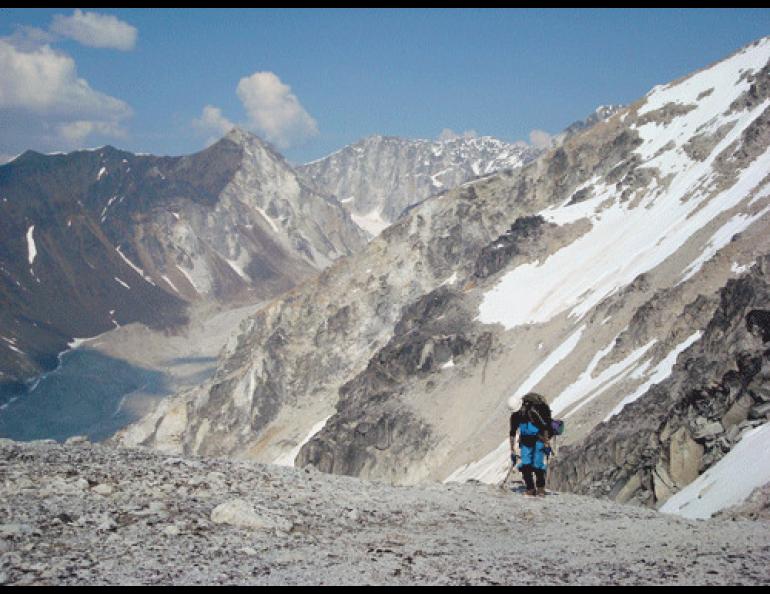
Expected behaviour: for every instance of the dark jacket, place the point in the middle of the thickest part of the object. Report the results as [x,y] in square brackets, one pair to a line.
[540,417]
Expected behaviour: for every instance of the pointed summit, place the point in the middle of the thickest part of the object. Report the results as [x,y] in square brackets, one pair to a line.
[241,136]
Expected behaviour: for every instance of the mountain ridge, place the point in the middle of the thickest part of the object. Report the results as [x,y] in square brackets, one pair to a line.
[669,215]
[100,238]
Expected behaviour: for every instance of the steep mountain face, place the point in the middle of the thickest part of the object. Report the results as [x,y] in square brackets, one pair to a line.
[380,177]
[718,392]
[582,275]
[99,238]
[601,113]
[377,178]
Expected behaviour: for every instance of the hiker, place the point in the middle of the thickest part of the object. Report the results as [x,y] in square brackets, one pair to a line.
[533,424]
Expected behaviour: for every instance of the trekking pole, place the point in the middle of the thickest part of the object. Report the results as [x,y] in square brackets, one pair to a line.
[508,475]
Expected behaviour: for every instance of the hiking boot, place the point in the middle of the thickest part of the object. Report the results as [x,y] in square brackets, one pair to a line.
[541,491]
[530,493]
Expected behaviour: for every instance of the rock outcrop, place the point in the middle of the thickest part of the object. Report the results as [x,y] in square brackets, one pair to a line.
[718,390]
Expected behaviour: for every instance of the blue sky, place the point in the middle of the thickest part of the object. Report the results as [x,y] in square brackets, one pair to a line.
[312,81]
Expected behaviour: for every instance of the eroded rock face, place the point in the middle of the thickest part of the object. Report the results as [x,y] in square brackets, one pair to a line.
[101,238]
[372,428]
[684,425]
[379,177]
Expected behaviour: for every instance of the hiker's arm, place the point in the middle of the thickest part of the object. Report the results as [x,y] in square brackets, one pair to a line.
[514,428]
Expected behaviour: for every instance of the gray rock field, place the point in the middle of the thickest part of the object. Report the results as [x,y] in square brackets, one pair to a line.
[88,514]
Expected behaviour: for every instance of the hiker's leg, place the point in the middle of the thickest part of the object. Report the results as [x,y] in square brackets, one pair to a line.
[539,478]
[526,472]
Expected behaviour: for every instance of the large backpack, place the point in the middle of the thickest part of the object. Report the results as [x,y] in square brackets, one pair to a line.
[540,406]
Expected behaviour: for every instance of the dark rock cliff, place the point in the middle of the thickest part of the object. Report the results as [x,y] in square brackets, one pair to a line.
[719,388]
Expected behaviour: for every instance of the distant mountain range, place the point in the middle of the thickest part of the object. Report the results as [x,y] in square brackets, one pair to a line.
[379,177]
[98,238]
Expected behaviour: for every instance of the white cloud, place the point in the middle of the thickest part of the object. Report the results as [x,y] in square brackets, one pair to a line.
[95,30]
[73,133]
[44,83]
[213,121]
[274,111]
[29,38]
[449,134]
[540,139]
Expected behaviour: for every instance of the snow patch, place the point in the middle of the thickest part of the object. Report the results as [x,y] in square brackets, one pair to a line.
[491,469]
[587,387]
[623,242]
[661,372]
[168,281]
[269,220]
[101,174]
[739,269]
[561,352]
[372,222]
[451,280]
[729,482]
[238,269]
[11,342]
[121,282]
[288,458]
[721,238]
[138,270]
[189,278]
[31,248]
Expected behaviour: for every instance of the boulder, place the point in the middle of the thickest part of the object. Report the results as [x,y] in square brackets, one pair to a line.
[760,411]
[709,431]
[685,457]
[629,489]
[662,484]
[103,489]
[241,514]
[738,412]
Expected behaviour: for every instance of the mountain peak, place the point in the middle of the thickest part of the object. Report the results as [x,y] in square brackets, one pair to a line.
[242,137]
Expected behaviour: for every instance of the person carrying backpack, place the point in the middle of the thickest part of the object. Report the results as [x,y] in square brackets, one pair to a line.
[533,424]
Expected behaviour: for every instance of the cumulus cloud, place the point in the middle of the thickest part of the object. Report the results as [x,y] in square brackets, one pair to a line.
[212,120]
[30,38]
[540,139]
[274,111]
[44,83]
[74,133]
[95,30]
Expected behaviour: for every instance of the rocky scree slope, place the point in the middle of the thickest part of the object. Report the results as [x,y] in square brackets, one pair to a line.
[582,275]
[86,514]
